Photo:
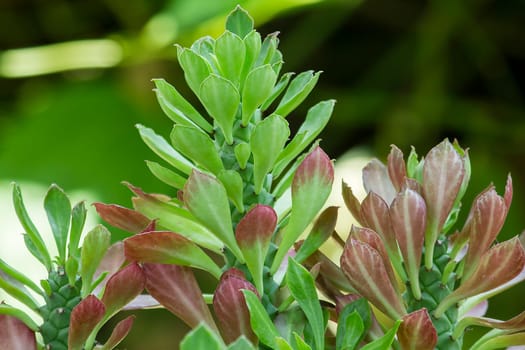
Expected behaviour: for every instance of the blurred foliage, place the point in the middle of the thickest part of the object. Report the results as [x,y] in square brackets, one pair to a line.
[403,72]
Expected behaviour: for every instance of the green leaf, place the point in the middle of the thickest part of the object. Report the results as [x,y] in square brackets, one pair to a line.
[281,344]
[242,154]
[300,343]
[20,277]
[206,198]
[196,146]
[322,230]
[202,338]
[196,68]
[78,219]
[252,42]
[221,99]
[95,245]
[302,287]
[233,183]
[72,266]
[32,238]
[298,90]
[268,47]
[18,291]
[166,175]
[241,344]
[316,119]
[164,150]
[277,90]
[230,52]
[177,108]
[19,314]
[261,323]
[385,341]
[267,141]
[257,89]
[239,22]
[350,331]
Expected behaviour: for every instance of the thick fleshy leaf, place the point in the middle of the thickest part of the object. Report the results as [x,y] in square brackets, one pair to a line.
[221,99]
[329,272]
[267,141]
[239,22]
[118,334]
[408,216]
[166,175]
[396,168]
[207,199]
[175,219]
[417,332]
[32,237]
[302,287]
[123,218]
[385,341]
[58,210]
[196,68]
[241,344]
[122,288]
[94,248]
[78,219]
[375,214]
[352,203]
[443,174]
[176,288]
[230,52]
[197,146]
[202,338]
[371,238]
[496,266]
[268,48]
[508,192]
[315,121]
[13,275]
[297,91]
[15,335]
[321,231]
[277,89]
[311,186]
[260,321]
[177,108]
[17,290]
[164,150]
[365,268]
[490,212]
[252,43]
[110,264]
[377,180]
[234,186]
[257,88]
[356,318]
[168,248]
[84,319]
[515,324]
[242,154]
[253,234]
[230,306]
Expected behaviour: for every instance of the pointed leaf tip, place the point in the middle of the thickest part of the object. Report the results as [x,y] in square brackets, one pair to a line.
[84,318]
[417,332]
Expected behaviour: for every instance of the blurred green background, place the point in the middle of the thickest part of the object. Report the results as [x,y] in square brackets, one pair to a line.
[403,72]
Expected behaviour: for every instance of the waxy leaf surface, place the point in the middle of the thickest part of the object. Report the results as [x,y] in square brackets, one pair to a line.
[123,218]
[377,180]
[297,91]
[118,334]
[239,22]
[84,318]
[15,335]
[122,288]
[417,332]
[257,88]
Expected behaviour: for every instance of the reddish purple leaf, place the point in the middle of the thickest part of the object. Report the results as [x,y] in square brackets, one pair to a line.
[397,170]
[508,192]
[230,306]
[311,186]
[443,174]
[365,269]
[118,334]
[343,300]
[376,179]
[497,266]
[375,214]
[408,217]
[417,332]
[84,318]
[331,275]
[111,263]
[176,288]
[352,203]
[123,287]
[15,335]
[123,218]
[164,247]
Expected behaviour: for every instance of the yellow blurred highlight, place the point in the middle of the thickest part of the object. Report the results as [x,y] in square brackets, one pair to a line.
[81,54]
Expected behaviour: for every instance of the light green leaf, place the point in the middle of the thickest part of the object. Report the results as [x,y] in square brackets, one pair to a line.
[164,150]
[20,277]
[58,209]
[281,344]
[166,175]
[196,146]
[267,141]
[242,343]
[202,338]
[302,288]
[268,47]
[177,108]
[242,154]
[252,42]
[261,323]
[349,332]
[316,119]
[300,343]
[32,238]
[78,219]
[239,22]
[18,291]
[21,315]
[257,88]
[385,341]
[196,68]
[230,52]
[299,89]
[221,99]
[277,90]
[233,183]
[94,248]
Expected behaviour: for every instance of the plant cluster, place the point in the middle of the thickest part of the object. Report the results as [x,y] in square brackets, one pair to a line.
[244,191]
